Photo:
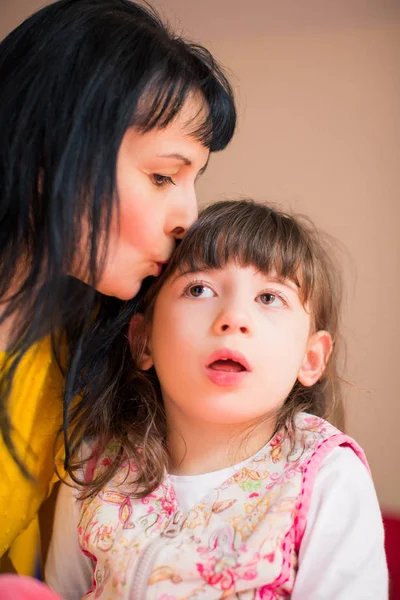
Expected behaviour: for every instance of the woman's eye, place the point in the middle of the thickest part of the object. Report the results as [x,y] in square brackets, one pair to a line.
[161,180]
[271,299]
[199,290]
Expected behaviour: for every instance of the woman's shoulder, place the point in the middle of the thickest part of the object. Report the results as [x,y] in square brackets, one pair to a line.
[35,403]
[35,409]
[36,375]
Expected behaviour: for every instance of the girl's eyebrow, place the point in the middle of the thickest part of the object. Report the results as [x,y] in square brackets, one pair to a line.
[271,278]
[187,271]
[287,282]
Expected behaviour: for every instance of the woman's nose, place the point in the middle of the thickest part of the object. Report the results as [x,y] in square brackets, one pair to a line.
[185,214]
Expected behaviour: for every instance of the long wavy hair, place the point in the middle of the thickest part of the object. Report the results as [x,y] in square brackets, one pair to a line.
[248,234]
[73,78]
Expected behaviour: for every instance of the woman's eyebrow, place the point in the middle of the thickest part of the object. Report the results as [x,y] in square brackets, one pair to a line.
[177,156]
[185,160]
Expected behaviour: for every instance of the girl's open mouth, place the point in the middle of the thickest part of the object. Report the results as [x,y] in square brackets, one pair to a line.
[227,367]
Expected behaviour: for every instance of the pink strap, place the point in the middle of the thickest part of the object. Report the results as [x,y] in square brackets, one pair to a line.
[310,472]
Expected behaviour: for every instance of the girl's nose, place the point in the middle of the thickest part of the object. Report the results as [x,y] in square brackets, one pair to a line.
[232,321]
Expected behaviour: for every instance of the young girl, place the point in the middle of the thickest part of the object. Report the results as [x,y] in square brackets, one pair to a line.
[222,478]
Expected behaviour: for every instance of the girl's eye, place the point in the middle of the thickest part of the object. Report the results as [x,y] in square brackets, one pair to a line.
[161,180]
[199,290]
[271,299]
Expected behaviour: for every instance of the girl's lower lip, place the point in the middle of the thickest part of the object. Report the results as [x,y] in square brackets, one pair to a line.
[226,378]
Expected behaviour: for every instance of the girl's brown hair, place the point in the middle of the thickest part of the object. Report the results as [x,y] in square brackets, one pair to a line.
[249,234]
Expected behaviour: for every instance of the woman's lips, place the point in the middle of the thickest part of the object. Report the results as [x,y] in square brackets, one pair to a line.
[160,267]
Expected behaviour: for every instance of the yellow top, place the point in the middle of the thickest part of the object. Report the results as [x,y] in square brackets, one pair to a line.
[35,408]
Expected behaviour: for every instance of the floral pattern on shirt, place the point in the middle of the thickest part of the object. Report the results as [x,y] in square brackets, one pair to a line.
[241,541]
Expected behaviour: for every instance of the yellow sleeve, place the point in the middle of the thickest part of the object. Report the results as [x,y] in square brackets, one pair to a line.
[35,408]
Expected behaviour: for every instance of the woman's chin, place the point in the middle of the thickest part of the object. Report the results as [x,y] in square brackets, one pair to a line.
[121,290]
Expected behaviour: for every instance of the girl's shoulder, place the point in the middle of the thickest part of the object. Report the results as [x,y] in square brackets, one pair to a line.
[308,423]
[317,437]
[98,460]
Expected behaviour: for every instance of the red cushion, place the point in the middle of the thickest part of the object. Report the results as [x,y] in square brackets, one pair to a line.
[392,544]
[14,587]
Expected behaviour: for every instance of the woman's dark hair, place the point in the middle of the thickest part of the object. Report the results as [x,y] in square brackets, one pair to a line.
[73,78]
[248,234]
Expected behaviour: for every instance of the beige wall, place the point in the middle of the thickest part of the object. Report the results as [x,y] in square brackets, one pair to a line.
[319,95]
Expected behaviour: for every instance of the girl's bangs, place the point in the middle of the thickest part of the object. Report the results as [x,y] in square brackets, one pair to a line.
[246,234]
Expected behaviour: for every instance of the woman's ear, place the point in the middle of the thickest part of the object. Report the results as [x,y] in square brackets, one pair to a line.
[319,349]
[139,342]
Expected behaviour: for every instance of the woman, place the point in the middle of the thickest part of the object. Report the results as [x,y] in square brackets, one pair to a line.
[106,121]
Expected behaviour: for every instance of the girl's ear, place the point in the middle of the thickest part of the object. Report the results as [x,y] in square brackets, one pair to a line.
[319,349]
[139,342]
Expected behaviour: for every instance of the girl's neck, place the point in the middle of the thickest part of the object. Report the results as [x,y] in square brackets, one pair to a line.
[197,448]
